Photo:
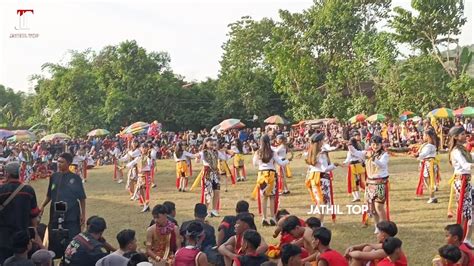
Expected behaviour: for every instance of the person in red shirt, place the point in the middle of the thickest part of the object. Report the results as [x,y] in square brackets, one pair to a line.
[449,255]
[327,256]
[395,257]
[470,143]
[454,236]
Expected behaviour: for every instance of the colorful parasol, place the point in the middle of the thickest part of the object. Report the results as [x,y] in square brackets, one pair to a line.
[98,132]
[376,118]
[276,119]
[415,118]
[357,118]
[215,128]
[6,133]
[23,135]
[136,128]
[441,113]
[55,136]
[230,124]
[467,111]
[406,115]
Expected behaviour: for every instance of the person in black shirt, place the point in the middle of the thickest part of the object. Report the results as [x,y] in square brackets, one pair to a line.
[86,248]
[21,244]
[209,242]
[65,187]
[227,227]
[251,241]
[19,213]
[171,211]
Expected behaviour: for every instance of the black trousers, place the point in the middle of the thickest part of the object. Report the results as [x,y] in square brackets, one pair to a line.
[60,239]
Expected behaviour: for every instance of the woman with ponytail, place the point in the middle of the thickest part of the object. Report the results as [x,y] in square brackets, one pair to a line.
[377,187]
[318,180]
[429,167]
[190,255]
[462,162]
[356,176]
[266,188]
[239,163]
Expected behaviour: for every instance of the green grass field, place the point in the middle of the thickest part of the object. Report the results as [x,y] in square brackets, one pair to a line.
[420,224]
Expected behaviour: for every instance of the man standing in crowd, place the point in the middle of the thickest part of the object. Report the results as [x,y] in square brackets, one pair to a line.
[18,208]
[68,205]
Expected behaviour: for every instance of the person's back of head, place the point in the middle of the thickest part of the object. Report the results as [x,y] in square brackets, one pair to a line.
[388,227]
[289,253]
[96,225]
[135,258]
[281,213]
[313,222]
[248,219]
[12,170]
[170,207]
[391,245]
[242,207]
[126,238]
[194,231]
[200,211]
[290,223]
[252,239]
[456,232]
[323,235]
[451,253]
[20,242]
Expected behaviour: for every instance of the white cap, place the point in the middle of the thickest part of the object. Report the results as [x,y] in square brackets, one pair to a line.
[327,148]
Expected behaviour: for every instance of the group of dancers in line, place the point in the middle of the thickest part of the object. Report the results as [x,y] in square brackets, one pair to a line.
[367,172]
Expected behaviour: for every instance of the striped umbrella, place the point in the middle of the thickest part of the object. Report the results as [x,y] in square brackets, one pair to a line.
[231,123]
[6,133]
[276,119]
[406,115]
[441,113]
[98,132]
[55,136]
[467,111]
[357,118]
[136,128]
[376,118]
[23,135]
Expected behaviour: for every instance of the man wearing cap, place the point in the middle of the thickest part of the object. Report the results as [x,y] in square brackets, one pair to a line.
[18,208]
[86,248]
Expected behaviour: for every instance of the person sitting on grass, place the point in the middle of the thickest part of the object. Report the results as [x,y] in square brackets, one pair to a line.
[302,235]
[360,255]
[454,235]
[227,227]
[190,254]
[327,256]
[21,244]
[448,255]
[291,255]
[232,248]
[251,242]
[393,248]
[162,238]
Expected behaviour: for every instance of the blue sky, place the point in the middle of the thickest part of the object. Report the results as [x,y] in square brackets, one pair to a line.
[192,32]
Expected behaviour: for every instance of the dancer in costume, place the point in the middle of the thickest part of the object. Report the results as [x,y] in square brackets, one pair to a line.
[133,152]
[209,175]
[162,238]
[154,157]
[318,180]
[284,172]
[239,163]
[181,158]
[429,166]
[80,163]
[142,164]
[462,162]
[116,154]
[266,189]
[377,187]
[224,169]
[26,164]
[356,175]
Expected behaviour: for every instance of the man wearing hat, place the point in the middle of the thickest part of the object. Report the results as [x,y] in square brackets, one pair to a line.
[18,208]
